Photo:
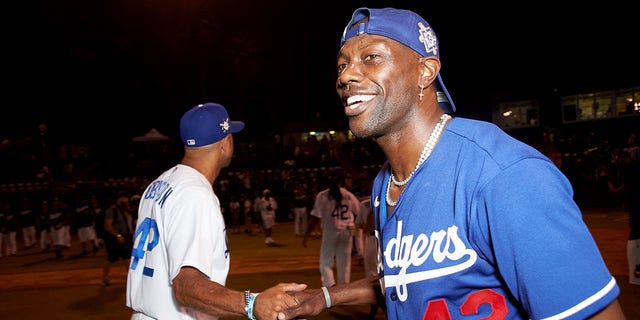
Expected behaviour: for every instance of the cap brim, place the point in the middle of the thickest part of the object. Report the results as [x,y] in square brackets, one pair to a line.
[444,99]
[235,126]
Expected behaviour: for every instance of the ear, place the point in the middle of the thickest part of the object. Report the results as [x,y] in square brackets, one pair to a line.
[429,67]
[224,143]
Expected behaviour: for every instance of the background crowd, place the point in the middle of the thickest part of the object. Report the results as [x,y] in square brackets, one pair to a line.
[37,171]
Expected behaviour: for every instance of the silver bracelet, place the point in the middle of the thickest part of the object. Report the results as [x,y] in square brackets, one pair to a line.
[327,298]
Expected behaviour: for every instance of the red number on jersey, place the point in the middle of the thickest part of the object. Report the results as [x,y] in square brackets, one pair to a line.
[438,310]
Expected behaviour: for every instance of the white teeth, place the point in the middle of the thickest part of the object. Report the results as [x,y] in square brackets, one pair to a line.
[360,98]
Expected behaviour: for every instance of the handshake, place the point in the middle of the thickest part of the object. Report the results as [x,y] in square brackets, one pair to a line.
[286,301]
[293,300]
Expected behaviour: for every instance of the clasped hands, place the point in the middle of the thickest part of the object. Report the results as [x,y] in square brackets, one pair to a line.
[288,301]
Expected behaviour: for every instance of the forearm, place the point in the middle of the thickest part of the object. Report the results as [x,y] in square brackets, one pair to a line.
[108,227]
[361,291]
[312,302]
[195,291]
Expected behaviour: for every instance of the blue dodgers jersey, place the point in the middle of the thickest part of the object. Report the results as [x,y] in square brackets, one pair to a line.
[487,229]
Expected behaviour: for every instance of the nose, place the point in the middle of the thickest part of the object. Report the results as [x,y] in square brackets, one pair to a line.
[347,76]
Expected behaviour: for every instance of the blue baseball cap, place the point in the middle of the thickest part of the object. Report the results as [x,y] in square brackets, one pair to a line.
[403,26]
[205,124]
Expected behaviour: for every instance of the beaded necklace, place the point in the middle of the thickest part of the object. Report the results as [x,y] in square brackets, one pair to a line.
[426,151]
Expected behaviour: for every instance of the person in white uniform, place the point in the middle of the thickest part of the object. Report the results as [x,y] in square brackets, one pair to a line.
[267,206]
[364,222]
[180,257]
[337,208]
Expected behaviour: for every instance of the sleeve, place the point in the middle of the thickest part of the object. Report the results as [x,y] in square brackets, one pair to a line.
[316,210]
[355,204]
[542,247]
[194,233]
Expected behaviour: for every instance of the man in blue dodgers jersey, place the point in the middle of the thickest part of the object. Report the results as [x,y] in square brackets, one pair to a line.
[471,223]
[180,258]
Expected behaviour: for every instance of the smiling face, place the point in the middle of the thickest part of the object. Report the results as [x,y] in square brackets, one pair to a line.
[378,84]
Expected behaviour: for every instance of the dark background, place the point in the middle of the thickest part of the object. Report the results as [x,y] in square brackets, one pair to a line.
[105,71]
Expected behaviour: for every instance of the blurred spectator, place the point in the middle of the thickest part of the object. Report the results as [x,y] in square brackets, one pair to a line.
[118,235]
[43,225]
[633,146]
[98,220]
[630,187]
[12,225]
[28,223]
[9,228]
[549,149]
[86,228]
[365,223]
[59,218]
[235,214]
[3,226]
[134,202]
[267,206]
[249,213]
[300,205]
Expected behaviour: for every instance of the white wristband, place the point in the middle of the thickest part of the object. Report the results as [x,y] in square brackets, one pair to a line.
[327,298]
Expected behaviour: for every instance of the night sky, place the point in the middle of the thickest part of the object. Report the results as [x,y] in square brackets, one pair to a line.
[95,69]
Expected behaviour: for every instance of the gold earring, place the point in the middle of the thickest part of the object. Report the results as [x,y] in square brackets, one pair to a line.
[421,94]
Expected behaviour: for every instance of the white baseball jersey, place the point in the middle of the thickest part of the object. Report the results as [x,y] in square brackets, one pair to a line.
[337,240]
[179,224]
[267,209]
[336,217]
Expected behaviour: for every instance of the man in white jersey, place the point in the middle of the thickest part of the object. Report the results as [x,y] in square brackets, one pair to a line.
[336,207]
[180,257]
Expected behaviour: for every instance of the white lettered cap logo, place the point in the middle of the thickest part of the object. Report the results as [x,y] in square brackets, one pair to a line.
[428,38]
